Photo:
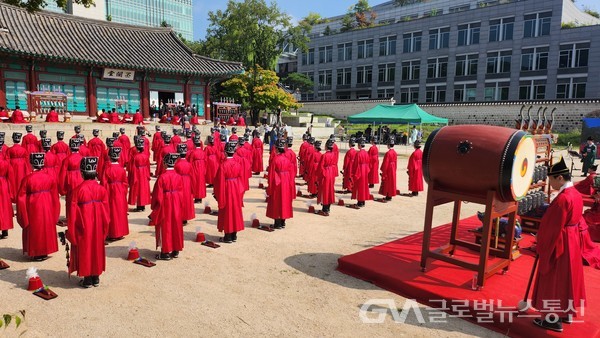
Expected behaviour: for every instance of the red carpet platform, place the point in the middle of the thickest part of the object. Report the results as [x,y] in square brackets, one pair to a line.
[395,266]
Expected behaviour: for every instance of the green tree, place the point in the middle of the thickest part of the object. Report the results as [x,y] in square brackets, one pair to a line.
[36,5]
[299,81]
[347,23]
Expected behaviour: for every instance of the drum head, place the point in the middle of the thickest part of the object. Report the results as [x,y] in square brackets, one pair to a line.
[523,165]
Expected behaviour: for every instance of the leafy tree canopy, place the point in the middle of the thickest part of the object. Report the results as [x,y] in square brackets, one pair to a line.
[36,5]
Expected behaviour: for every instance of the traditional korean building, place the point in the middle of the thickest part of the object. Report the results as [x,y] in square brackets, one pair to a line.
[100,64]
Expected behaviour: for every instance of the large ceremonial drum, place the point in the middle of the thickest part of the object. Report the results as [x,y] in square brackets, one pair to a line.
[474,159]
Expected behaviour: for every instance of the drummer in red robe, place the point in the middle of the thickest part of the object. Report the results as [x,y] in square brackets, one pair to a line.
[115,182]
[157,144]
[373,164]
[52,115]
[51,161]
[198,160]
[388,171]
[586,186]
[257,153]
[88,225]
[30,141]
[281,189]
[17,116]
[70,176]
[360,175]
[415,170]
[228,192]
[139,178]
[6,209]
[38,208]
[104,117]
[60,148]
[126,118]
[167,198]
[138,118]
[326,174]
[347,166]
[184,169]
[213,160]
[19,161]
[559,290]
[114,117]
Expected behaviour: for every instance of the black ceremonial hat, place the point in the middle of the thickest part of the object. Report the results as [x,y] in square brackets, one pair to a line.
[352,141]
[170,159]
[157,128]
[361,141]
[60,134]
[89,164]
[46,143]
[95,132]
[77,129]
[139,143]
[558,168]
[417,144]
[74,143]
[114,153]
[110,141]
[329,144]
[594,167]
[182,148]
[290,140]
[43,133]
[230,147]
[29,128]
[242,140]
[37,160]
[281,143]
[197,139]
[115,134]
[167,138]
[222,137]
[122,130]
[318,144]
[392,141]
[210,139]
[17,137]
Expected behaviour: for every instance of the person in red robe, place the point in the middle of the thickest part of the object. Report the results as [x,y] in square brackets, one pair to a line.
[3,147]
[167,198]
[257,153]
[88,225]
[4,115]
[415,170]
[38,209]
[175,119]
[213,160]
[70,176]
[245,159]
[347,166]
[51,162]
[17,116]
[373,164]
[126,118]
[43,135]
[139,178]
[281,190]
[30,141]
[326,174]
[388,171]
[138,118]
[233,137]
[301,154]
[6,209]
[115,182]
[360,175]
[52,115]
[228,191]
[291,156]
[184,169]
[559,290]
[586,186]
[216,137]
[176,138]
[125,144]
[189,140]
[157,144]
[79,135]
[114,117]
[104,117]
[197,132]
[104,159]
[167,148]
[141,133]
[19,161]
[231,121]
[96,146]
[198,160]
[241,121]
[60,148]
[313,162]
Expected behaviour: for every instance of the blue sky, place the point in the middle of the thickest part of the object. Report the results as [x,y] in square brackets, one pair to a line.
[298,9]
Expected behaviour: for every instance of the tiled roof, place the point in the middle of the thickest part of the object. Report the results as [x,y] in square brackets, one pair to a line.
[71,39]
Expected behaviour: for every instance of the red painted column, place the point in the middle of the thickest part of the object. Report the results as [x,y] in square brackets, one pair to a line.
[92,102]
[2,90]
[145,97]
[207,105]
[32,84]
[187,93]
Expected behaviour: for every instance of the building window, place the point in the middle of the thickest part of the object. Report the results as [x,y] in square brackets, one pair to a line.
[308,58]
[537,24]
[324,96]
[365,49]
[385,93]
[15,94]
[439,38]
[435,94]
[325,54]
[364,74]
[468,34]
[461,8]
[387,72]
[363,95]
[342,96]
[571,88]
[437,67]
[325,77]
[532,90]
[345,51]
[499,62]
[467,64]
[465,92]
[496,91]
[409,95]
[411,70]
[412,42]
[344,76]
[307,96]
[502,29]
[106,98]
[387,45]
[574,55]
[534,59]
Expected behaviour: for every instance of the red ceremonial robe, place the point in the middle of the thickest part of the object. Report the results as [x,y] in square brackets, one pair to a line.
[257,155]
[388,174]
[6,209]
[175,141]
[138,118]
[212,163]
[160,165]
[61,149]
[184,169]
[307,158]
[348,163]
[38,209]
[83,138]
[139,180]
[281,190]
[373,165]
[312,179]
[88,227]
[228,191]
[30,143]
[360,176]
[96,147]
[301,156]
[586,186]
[560,272]
[336,152]
[198,160]
[19,161]
[245,159]
[126,145]
[241,121]
[415,171]
[69,178]
[157,144]
[3,152]
[291,156]
[167,198]
[52,165]
[115,183]
[326,174]
[4,116]
[590,252]
[114,118]
[52,116]
[17,116]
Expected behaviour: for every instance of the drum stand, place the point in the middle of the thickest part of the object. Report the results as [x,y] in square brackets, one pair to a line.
[493,208]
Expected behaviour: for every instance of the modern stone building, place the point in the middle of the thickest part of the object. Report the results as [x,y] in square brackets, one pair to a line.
[451,51]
